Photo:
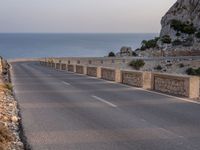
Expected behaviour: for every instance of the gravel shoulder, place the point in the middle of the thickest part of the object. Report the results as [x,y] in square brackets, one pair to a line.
[9,118]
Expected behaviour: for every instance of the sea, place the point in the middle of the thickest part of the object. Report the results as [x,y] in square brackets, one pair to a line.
[39,45]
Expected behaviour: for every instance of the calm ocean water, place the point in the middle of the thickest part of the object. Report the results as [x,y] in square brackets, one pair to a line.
[60,45]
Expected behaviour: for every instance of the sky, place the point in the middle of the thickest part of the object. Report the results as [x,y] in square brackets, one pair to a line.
[82,16]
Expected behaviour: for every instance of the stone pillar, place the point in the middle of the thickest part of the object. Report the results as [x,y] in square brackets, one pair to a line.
[98,72]
[85,70]
[193,87]
[118,76]
[147,81]
[74,68]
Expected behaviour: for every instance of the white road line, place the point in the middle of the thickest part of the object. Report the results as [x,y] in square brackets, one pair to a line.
[66,83]
[104,101]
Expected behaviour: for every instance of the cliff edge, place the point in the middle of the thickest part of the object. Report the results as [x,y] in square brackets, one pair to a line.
[180,32]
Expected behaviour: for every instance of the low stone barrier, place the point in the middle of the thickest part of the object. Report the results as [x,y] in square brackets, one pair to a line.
[180,85]
[199,87]
[79,69]
[63,67]
[108,74]
[187,86]
[132,78]
[71,68]
[92,71]
[57,65]
[53,65]
[49,64]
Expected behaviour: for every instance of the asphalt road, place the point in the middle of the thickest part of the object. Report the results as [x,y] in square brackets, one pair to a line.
[67,111]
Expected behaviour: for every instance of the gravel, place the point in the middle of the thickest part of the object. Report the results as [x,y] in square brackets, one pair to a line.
[9,120]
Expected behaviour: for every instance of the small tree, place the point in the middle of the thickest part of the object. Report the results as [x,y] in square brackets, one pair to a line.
[166,39]
[111,54]
[197,35]
[137,64]
[158,67]
[192,71]
[134,53]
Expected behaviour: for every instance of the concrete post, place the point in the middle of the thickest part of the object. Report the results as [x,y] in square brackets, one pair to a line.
[194,87]
[85,70]
[118,76]
[74,66]
[147,81]
[98,72]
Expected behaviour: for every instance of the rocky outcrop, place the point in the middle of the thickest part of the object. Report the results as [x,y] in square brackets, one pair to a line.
[187,11]
[125,51]
[180,32]
[182,24]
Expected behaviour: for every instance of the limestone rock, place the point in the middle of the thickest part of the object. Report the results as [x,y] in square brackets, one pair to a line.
[182,24]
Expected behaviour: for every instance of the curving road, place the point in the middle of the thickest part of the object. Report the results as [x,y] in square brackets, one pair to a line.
[67,111]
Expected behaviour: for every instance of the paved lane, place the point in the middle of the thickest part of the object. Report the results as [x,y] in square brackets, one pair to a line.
[67,111]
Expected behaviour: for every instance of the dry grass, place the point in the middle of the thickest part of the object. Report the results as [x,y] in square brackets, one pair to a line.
[5,137]
[6,86]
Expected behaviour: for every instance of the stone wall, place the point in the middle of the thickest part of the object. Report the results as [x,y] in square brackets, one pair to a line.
[63,66]
[132,78]
[175,85]
[53,65]
[180,85]
[108,74]
[57,65]
[79,69]
[92,71]
[71,68]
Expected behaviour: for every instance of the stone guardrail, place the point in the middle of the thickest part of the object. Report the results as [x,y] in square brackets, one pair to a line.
[57,65]
[132,78]
[63,67]
[108,74]
[79,69]
[92,71]
[179,85]
[71,68]
[176,84]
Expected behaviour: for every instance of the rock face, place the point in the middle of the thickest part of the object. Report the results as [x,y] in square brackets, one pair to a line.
[183,10]
[125,51]
[182,24]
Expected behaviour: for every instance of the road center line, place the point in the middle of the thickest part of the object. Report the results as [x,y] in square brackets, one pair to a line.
[66,83]
[104,101]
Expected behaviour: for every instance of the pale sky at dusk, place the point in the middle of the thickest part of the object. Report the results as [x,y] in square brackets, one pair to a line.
[82,15]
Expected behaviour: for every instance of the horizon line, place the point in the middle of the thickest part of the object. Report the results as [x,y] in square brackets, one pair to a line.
[79,33]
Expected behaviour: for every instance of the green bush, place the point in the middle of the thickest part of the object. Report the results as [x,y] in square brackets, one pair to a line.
[137,64]
[192,71]
[178,34]
[134,53]
[187,27]
[176,42]
[188,42]
[197,35]
[166,39]
[158,67]
[146,44]
[111,54]
[181,65]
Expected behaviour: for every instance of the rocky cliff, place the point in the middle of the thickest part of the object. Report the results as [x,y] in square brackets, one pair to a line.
[180,33]
[182,24]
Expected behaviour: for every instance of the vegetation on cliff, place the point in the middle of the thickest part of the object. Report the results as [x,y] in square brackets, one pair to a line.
[137,64]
